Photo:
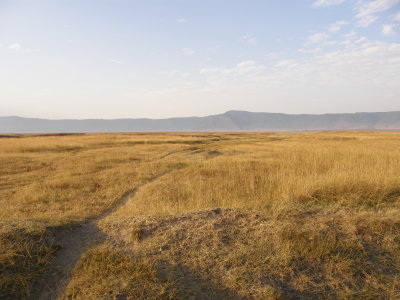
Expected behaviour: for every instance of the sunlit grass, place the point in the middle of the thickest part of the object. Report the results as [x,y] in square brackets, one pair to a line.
[328,206]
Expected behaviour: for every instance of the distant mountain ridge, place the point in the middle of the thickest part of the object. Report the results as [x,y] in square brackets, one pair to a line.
[229,121]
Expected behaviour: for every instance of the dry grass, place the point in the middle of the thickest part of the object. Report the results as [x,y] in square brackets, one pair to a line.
[117,276]
[327,223]
[270,173]
[24,254]
[41,182]
[306,254]
[44,183]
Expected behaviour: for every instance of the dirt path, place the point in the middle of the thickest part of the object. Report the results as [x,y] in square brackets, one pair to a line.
[73,242]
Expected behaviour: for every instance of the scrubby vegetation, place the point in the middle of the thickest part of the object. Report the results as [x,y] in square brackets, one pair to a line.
[215,216]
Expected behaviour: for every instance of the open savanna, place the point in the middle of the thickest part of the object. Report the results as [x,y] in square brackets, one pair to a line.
[210,216]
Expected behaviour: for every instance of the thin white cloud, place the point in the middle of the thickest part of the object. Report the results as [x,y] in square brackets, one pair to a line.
[249,39]
[396,17]
[287,63]
[213,49]
[321,3]
[361,40]
[317,37]
[389,29]
[367,11]
[248,66]
[243,73]
[366,21]
[161,92]
[350,35]
[174,73]
[274,55]
[15,46]
[116,61]
[365,62]
[181,20]
[309,51]
[358,63]
[188,51]
[337,26]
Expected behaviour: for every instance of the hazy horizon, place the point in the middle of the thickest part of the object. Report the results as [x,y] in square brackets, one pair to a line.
[206,115]
[164,59]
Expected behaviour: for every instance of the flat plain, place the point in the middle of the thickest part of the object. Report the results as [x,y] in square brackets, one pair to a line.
[200,216]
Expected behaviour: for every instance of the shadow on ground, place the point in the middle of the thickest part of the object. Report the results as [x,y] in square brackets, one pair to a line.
[191,285]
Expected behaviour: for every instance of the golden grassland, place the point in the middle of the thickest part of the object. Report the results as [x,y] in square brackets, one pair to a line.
[215,216]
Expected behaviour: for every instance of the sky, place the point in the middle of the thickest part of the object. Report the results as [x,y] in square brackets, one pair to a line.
[170,58]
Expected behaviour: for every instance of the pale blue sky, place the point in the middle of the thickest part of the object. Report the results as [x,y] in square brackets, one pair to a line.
[167,58]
